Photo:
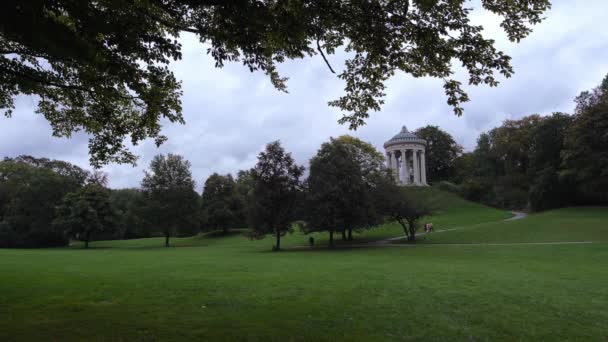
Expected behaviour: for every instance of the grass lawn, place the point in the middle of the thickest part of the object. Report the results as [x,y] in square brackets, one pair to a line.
[230,288]
[563,225]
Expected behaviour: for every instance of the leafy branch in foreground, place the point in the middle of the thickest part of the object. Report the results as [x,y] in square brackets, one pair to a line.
[102,66]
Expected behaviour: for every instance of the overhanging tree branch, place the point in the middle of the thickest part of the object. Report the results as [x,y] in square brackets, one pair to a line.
[324,58]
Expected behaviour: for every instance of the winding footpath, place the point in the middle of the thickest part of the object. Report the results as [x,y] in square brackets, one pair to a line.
[517,215]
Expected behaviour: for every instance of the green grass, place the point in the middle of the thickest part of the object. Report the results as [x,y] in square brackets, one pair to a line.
[449,211]
[230,288]
[564,225]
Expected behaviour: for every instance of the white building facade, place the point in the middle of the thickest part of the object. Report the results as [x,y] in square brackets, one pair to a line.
[405,156]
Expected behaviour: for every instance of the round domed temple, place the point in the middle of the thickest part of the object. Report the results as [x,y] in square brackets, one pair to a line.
[405,156]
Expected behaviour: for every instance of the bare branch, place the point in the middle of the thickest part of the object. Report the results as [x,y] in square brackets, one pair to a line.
[324,58]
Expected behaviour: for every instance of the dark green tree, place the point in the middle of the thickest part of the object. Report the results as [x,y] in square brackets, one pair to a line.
[371,162]
[30,190]
[464,167]
[398,203]
[501,162]
[220,203]
[171,199]
[547,189]
[342,174]
[336,192]
[131,217]
[585,154]
[102,66]
[274,197]
[244,188]
[86,212]
[441,153]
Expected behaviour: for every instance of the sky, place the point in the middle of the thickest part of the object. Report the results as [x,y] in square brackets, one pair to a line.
[231,113]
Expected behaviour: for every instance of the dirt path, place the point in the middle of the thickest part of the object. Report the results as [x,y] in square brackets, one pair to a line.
[518,215]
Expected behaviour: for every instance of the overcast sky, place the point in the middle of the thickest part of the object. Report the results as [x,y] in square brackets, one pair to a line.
[231,113]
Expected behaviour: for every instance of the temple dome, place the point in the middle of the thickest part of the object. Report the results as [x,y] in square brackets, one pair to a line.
[404,136]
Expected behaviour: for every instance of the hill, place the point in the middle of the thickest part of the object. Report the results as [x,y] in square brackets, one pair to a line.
[563,225]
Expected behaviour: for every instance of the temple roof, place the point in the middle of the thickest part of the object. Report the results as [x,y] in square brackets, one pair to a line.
[404,136]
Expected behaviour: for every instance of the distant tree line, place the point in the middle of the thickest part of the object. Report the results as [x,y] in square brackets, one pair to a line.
[537,162]
[46,203]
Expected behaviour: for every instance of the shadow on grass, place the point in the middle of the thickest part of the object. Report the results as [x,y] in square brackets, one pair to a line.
[216,234]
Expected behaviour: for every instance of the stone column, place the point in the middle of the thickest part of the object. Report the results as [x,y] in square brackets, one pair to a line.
[394,165]
[423,167]
[416,167]
[388,160]
[406,168]
[401,167]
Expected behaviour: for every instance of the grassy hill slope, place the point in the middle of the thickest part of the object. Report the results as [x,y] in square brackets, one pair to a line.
[449,211]
[563,225]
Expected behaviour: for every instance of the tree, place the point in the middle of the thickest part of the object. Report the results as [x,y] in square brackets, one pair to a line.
[502,162]
[338,187]
[366,155]
[336,190]
[244,189]
[130,208]
[220,202]
[273,200]
[85,213]
[441,153]
[464,167]
[169,190]
[547,189]
[30,190]
[98,177]
[585,156]
[102,66]
[399,204]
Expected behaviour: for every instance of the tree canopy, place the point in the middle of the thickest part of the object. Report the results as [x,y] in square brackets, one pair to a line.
[172,201]
[86,212]
[543,162]
[102,66]
[336,196]
[441,152]
[342,174]
[585,156]
[220,203]
[399,204]
[274,197]
[30,189]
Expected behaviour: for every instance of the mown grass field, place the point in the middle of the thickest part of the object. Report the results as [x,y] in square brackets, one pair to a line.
[564,225]
[229,288]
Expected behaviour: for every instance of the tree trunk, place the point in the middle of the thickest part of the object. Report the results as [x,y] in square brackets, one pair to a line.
[87,237]
[166,240]
[331,238]
[350,234]
[86,243]
[278,245]
[412,232]
[343,235]
[405,229]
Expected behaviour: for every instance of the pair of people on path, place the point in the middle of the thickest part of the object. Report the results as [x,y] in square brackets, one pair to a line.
[428,227]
